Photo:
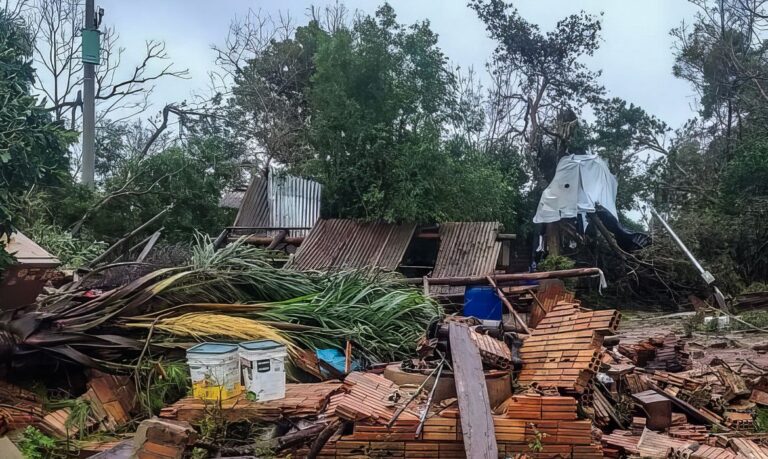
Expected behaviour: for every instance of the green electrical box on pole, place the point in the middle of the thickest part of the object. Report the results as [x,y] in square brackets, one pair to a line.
[91,46]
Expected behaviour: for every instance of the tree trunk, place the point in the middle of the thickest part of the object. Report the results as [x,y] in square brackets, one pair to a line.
[553,238]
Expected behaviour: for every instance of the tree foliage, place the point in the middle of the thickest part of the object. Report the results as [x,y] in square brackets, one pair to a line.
[379,99]
[369,108]
[712,181]
[270,104]
[624,135]
[544,77]
[32,146]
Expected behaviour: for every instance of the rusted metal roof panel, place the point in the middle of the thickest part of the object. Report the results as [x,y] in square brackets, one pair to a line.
[466,249]
[340,243]
[280,201]
[254,208]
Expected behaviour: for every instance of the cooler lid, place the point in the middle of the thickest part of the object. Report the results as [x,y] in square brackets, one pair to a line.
[261,345]
[212,348]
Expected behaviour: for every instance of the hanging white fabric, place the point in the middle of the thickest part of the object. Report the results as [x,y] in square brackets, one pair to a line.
[581,183]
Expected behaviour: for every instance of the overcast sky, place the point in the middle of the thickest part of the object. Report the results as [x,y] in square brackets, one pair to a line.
[635,55]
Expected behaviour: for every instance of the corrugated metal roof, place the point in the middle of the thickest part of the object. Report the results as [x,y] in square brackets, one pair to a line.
[280,201]
[340,243]
[294,202]
[466,249]
[254,208]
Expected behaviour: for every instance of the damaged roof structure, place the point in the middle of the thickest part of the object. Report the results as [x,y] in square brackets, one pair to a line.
[339,243]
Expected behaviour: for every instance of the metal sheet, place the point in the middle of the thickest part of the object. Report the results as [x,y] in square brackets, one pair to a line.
[232,199]
[293,202]
[466,249]
[280,201]
[340,243]
[254,208]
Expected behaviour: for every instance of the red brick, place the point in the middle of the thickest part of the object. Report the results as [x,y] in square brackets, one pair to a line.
[163,450]
[115,411]
[146,455]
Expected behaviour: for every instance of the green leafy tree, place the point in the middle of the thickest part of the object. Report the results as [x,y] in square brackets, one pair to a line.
[33,148]
[543,73]
[370,108]
[190,178]
[712,181]
[380,96]
[626,136]
[269,103]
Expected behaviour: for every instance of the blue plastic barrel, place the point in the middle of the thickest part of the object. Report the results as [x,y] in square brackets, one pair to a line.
[482,302]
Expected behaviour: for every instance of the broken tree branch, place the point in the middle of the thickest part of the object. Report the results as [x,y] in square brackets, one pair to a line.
[128,236]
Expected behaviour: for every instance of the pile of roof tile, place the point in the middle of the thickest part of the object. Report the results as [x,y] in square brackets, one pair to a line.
[111,401]
[577,395]
[367,397]
[561,358]
[301,401]
[710,410]
[495,353]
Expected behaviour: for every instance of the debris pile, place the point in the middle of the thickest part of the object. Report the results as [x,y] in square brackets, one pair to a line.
[564,383]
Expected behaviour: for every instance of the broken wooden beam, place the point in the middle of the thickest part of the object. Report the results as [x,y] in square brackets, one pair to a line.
[474,405]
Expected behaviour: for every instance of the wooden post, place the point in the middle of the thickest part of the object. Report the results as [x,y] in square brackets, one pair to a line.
[150,244]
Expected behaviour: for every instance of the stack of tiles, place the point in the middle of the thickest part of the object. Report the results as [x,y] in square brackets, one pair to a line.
[538,407]
[442,438]
[564,350]
[368,397]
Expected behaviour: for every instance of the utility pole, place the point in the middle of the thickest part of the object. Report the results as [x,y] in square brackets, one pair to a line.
[89,95]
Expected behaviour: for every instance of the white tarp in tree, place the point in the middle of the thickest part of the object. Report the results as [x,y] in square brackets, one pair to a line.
[581,182]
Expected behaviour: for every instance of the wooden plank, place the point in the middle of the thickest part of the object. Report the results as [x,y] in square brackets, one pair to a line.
[474,404]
